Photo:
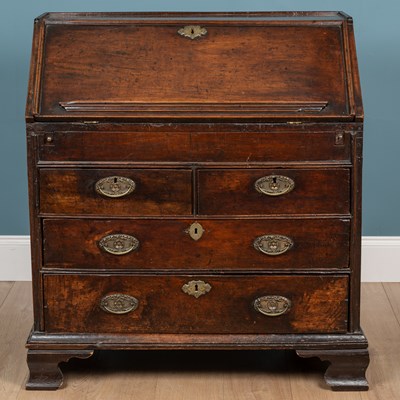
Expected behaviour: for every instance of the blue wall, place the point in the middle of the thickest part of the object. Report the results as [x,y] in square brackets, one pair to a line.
[378,41]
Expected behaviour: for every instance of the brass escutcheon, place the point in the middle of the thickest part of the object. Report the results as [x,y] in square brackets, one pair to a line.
[192,31]
[273,245]
[119,244]
[115,186]
[196,288]
[195,231]
[272,306]
[119,303]
[274,185]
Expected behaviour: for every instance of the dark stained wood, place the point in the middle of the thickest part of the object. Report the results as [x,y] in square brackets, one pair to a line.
[157,192]
[309,196]
[195,123]
[44,373]
[194,146]
[319,304]
[184,341]
[141,69]
[347,368]
[356,232]
[225,244]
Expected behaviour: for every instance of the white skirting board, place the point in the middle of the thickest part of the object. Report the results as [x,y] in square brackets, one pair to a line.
[380,258]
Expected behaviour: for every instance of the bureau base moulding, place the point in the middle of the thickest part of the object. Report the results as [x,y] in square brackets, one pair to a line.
[346,353]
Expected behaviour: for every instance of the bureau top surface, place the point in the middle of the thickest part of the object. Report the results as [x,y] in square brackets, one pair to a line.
[194,66]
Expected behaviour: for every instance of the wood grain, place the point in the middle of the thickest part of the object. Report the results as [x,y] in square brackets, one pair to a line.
[72,304]
[115,70]
[192,146]
[312,189]
[225,375]
[157,192]
[136,94]
[225,244]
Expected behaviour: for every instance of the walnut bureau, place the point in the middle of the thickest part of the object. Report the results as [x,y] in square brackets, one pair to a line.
[195,183]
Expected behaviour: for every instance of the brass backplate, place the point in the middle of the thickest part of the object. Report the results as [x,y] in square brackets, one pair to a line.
[274,185]
[192,31]
[272,306]
[115,186]
[273,245]
[196,288]
[119,303]
[119,244]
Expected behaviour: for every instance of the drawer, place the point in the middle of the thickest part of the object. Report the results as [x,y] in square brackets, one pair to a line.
[192,146]
[171,304]
[117,192]
[289,244]
[274,191]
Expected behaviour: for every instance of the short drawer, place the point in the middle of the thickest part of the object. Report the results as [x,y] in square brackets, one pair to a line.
[193,146]
[274,191]
[209,244]
[119,192]
[174,304]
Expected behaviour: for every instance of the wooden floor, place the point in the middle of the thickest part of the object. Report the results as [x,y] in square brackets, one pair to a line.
[224,375]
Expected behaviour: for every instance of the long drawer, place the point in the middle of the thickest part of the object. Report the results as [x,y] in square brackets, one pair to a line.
[212,244]
[187,304]
[274,191]
[125,192]
[246,147]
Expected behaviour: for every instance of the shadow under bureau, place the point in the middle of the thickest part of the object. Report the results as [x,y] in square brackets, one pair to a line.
[195,183]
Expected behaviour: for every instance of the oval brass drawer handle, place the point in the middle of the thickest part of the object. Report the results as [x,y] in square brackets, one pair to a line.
[274,185]
[115,186]
[273,245]
[119,303]
[272,306]
[119,244]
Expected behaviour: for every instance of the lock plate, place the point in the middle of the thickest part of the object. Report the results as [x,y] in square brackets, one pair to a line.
[195,231]
[196,288]
[192,31]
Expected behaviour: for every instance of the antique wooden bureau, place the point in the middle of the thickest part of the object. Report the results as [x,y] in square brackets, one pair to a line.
[195,183]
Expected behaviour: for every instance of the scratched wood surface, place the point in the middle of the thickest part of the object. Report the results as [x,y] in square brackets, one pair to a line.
[188,375]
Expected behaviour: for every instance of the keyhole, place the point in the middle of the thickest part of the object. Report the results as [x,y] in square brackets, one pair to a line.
[195,231]
[274,179]
[192,31]
[196,287]
[115,180]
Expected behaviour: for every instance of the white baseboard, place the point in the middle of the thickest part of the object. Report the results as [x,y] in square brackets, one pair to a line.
[15,258]
[380,258]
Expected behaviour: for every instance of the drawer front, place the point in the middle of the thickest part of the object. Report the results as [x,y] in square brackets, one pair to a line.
[170,304]
[274,191]
[224,244]
[124,192]
[244,147]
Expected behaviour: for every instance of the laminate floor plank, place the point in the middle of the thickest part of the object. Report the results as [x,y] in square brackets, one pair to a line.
[16,321]
[383,332]
[392,290]
[201,375]
[256,375]
[5,288]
